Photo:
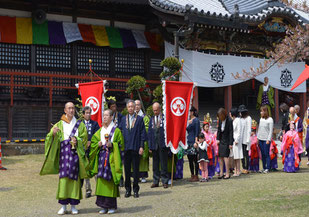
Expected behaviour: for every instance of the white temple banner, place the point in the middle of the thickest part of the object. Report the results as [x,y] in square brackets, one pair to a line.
[208,70]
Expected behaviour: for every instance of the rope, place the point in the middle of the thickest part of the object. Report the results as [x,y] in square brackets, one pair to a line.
[91,71]
[181,69]
[175,72]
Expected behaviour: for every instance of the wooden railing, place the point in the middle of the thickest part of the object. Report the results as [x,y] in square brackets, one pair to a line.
[50,86]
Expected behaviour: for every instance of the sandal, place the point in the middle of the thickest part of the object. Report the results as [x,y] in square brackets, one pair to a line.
[226,177]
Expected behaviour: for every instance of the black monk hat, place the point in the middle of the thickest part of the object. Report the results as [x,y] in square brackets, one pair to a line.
[242,108]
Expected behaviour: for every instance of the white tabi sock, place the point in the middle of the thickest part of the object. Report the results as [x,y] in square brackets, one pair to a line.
[74,210]
[62,210]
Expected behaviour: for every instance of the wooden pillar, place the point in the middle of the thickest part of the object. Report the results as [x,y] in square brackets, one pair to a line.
[228,98]
[11,107]
[75,8]
[303,104]
[50,118]
[276,105]
[32,63]
[10,123]
[195,98]
[112,56]
[147,63]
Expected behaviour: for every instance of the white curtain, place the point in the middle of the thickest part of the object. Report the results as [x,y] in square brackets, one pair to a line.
[208,70]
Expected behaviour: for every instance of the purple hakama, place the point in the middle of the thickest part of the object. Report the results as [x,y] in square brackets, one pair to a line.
[212,168]
[179,169]
[217,169]
[106,202]
[274,164]
[289,162]
[254,165]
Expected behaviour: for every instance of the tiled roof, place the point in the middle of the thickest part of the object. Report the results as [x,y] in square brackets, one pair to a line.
[248,10]
[200,6]
[135,2]
[249,6]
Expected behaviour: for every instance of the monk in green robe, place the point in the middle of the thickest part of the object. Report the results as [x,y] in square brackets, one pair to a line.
[105,161]
[144,159]
[265,96]
[65,155]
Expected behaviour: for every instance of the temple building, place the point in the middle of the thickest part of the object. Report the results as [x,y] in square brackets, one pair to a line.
[45,47]
[224,30]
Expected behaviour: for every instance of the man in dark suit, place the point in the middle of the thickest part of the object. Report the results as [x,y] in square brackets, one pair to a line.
[158,147]
[134,133]
[92,127]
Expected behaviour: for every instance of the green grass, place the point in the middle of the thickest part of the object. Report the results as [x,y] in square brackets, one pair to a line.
[23,192]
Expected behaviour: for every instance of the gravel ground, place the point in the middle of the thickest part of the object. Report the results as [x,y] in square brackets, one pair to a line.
[23,192]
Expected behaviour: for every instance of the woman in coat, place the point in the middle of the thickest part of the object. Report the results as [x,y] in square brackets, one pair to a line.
[224,141]
[237,146]
[193,130]
[245,135]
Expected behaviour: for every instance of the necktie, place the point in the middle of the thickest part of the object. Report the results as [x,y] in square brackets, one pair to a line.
[129,122]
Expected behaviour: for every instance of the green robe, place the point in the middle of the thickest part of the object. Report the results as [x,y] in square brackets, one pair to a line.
[270,95]
[144,159]
[103,187]
[67,188]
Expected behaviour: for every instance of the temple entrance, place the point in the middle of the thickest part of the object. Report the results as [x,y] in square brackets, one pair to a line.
[210,100]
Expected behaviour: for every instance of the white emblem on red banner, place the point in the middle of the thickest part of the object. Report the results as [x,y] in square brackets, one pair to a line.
[178,106]
[94,104]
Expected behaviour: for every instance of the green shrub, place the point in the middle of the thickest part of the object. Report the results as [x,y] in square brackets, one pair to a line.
[157,94]
[136,83]
[171,66]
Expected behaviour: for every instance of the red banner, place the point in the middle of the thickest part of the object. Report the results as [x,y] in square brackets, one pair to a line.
[177,98]
[92,94]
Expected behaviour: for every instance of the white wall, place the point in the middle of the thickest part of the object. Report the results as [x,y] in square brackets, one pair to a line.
[56,17]
[125,25]
[14,13]
[91,21]
[83,20]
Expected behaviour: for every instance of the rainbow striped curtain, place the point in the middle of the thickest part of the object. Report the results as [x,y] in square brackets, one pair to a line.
[27,31]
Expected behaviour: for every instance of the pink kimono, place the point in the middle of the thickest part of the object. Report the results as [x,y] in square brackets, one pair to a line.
[255,154]
[291,147]
[273,153]
[209,138]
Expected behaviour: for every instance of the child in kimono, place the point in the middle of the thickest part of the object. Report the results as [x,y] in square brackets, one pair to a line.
[210,149]
[273,153]
[254,152]
[291,146]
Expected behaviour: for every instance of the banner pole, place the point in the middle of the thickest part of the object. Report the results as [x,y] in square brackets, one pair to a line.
[172,175]
[90,69]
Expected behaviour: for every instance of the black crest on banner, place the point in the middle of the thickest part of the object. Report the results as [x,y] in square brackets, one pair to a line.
[217,72]
[286,78]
